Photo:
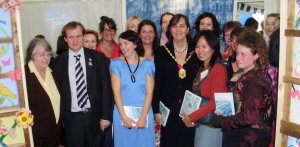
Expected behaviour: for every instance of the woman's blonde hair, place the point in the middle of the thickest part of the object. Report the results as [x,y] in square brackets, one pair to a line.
[129,21]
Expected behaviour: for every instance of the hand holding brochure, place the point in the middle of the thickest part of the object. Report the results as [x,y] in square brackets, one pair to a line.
[224,103]
[134,113]
[191,103]
[164,112]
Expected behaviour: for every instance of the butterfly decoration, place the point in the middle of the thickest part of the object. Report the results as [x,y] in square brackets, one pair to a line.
[15,74]
[6,62]
[12,5]
[295,93]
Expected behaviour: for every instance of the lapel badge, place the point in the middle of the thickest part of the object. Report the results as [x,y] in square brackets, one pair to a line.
[90,62]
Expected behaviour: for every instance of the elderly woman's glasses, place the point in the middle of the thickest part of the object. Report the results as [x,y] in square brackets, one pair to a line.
[43,55]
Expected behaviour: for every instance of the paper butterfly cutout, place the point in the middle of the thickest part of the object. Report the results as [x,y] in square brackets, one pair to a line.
[6,62]
[15,75]
[294,93]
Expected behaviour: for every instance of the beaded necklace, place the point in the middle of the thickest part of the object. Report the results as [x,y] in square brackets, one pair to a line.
[132,73]
[180,52]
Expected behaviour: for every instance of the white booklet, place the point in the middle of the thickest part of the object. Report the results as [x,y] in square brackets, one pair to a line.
[191,102]
[224,103]
[164,112]
[134,113]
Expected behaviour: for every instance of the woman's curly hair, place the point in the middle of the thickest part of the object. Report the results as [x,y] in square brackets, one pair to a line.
[257,44]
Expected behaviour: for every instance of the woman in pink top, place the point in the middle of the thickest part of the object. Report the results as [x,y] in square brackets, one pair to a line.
[107,45]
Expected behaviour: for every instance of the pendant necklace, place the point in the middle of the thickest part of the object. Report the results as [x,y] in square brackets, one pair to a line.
[132,73]
[181,70]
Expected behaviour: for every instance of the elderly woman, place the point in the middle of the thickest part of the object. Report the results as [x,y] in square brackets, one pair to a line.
[43,95]
[107,45]
[251,124]
[175,71]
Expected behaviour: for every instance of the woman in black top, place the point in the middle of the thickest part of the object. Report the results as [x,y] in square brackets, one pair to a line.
[175,70]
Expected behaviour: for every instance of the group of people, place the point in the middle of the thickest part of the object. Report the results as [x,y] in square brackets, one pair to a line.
[104,93]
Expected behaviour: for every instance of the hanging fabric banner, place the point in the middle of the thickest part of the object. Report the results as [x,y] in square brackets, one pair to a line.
[255,8]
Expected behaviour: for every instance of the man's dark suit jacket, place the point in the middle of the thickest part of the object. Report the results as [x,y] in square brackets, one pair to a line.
[98,87]
[40,105]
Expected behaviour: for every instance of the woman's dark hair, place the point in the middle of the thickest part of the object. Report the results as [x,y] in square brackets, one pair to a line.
[237,31]
[40,36]
[61,45]
[31,49]
[215,22]
[155,43]
[175,19]
[93,32]
[274,48]
[110,23]
[167,13]
[213,42]
[251,23]
[231,25]
[134,38]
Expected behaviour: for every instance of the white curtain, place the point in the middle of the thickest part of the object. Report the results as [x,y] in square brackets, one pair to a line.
[271,6]
[48,17]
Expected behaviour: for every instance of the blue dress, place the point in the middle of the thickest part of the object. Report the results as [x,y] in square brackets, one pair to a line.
[133,94]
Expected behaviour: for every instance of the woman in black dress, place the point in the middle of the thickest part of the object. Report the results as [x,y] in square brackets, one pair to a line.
[175,70]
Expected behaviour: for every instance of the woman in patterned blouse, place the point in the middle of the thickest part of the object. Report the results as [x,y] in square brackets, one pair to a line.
[251,124]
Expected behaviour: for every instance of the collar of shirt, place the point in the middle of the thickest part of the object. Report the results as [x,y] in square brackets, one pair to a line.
[80,52]
[49,86]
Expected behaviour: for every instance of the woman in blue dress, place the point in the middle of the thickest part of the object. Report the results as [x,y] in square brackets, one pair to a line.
[132,79]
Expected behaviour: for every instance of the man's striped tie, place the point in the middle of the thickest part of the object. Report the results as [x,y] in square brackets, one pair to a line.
[81,89]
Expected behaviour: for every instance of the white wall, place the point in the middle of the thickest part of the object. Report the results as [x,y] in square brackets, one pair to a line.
[47,17]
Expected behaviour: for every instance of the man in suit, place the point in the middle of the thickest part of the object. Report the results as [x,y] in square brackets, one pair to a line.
[86,90]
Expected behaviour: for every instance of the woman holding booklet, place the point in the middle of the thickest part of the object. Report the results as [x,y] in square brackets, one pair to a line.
[211,78]
[175,70]
[132,79]
[251,124]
